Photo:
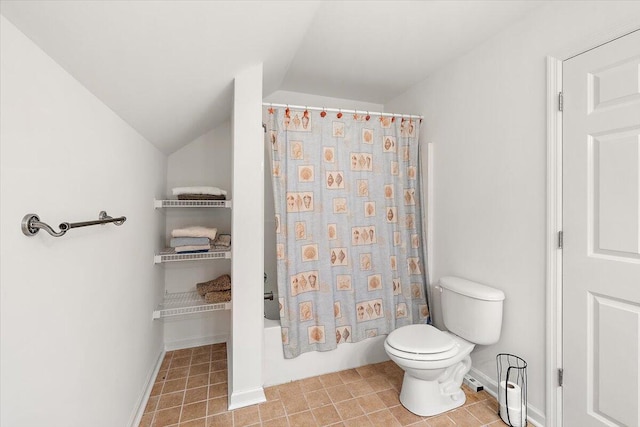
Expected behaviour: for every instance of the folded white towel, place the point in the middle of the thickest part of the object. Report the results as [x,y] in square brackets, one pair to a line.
[191,248]
[214,191]
[195,232]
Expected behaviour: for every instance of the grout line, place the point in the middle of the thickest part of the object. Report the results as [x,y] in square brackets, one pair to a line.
[470,413]
[387,376]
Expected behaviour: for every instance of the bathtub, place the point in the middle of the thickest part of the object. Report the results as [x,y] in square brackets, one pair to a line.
[278,370]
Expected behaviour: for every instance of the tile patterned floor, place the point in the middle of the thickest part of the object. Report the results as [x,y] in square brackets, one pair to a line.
[191,391]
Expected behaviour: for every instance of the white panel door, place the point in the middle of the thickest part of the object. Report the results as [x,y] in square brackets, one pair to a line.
[601,255]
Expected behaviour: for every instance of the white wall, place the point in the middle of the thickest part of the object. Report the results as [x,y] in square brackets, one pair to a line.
[204,161]
[78,340]
[247,253]
[485,115]
[292,98]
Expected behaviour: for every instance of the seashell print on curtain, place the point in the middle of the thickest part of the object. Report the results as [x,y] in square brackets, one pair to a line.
[349,240]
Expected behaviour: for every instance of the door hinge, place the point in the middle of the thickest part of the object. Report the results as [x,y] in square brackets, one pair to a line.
[560,374]
[560,101]
[560,239]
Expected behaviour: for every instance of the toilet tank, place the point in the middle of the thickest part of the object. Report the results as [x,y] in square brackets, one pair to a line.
[472,311]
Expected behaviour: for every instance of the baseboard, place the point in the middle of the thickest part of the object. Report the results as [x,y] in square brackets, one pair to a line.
[534,415]
[195,342]
[144,397]
[245,398]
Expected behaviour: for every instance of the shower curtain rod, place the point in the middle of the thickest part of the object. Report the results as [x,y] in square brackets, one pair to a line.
[341,110]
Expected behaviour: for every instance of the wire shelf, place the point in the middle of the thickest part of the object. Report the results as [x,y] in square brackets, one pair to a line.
[191,204]
[180,303]
[170,255]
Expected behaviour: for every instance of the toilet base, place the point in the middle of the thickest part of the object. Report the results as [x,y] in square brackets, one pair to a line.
[425,397]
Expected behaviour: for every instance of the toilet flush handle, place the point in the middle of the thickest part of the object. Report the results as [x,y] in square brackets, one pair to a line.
[438,287]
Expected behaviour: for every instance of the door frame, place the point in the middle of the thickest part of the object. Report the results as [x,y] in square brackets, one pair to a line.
[554,339]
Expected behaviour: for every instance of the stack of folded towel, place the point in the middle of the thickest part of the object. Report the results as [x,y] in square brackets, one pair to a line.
[216,290]
[192,239]
[199,193]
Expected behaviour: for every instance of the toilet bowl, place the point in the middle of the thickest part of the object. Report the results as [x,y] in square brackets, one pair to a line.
[436,361]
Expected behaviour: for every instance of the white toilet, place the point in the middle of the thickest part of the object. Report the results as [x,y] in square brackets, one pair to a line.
[434,361]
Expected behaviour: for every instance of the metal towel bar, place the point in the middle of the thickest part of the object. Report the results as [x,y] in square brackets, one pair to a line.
[31,224]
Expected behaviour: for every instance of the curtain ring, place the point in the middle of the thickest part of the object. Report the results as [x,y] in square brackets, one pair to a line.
[323,113]
[305,117]
[339,115]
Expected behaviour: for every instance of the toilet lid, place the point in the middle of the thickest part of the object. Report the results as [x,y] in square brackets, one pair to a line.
[420,339]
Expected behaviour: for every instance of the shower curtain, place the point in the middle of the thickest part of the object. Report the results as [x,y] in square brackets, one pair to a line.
[348,226]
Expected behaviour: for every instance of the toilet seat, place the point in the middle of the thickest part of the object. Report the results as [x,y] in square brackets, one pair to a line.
[421,343]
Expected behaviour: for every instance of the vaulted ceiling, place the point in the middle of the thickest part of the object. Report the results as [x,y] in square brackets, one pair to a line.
[167,67]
